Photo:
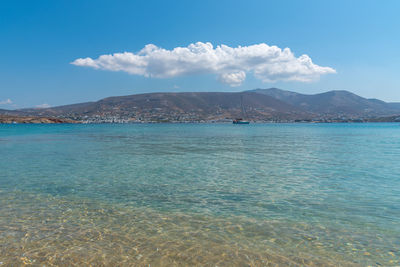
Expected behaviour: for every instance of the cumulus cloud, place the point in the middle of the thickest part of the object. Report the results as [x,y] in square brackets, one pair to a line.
[233,79]
[6,102]
[230,64]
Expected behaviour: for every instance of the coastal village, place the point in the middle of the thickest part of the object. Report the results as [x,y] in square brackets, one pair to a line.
[257,106]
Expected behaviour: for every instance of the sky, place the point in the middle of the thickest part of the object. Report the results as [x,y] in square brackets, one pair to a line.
[63,52]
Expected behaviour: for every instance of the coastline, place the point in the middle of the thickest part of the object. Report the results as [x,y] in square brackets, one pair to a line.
[50,120]
[8,119]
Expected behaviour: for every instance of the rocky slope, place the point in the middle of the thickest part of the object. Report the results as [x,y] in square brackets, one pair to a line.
[32,119]
[257,105]
[333,103]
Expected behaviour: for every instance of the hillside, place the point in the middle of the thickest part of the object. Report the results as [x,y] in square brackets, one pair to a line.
[333,103]
[257,105]
[178,107]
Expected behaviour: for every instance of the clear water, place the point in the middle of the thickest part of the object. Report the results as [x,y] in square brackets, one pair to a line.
[197,194]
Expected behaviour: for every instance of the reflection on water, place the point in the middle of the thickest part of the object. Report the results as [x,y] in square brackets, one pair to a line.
[212,195]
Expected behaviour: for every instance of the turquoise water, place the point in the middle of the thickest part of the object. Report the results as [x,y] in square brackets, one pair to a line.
[200,194]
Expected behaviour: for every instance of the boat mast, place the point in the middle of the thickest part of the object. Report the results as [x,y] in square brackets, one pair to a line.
[241,104]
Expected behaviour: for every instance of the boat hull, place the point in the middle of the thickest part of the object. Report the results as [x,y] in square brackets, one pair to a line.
[241,122]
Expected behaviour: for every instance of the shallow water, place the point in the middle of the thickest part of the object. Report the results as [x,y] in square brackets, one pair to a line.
[198,194]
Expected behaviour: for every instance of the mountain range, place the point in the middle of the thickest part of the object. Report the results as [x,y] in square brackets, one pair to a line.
[258,105]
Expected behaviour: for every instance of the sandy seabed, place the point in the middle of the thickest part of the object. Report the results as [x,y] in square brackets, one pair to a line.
[49,231]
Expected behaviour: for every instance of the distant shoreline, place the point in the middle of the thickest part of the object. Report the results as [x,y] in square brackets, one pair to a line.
[47,120]
[259,105]
[4,119]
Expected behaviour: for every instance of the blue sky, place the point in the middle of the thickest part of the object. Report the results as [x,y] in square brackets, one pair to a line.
[360,40]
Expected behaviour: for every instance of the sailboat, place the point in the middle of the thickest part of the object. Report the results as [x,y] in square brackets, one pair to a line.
[240,120]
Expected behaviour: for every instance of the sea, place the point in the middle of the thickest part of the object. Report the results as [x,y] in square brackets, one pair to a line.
[200,194]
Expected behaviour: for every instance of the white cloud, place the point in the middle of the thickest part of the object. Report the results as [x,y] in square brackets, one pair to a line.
[6,102]
[233,79]
[267,63]
[43,106]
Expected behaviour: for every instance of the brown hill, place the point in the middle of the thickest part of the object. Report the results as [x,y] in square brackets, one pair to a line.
[179,106]
[260,104]
[333,103]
